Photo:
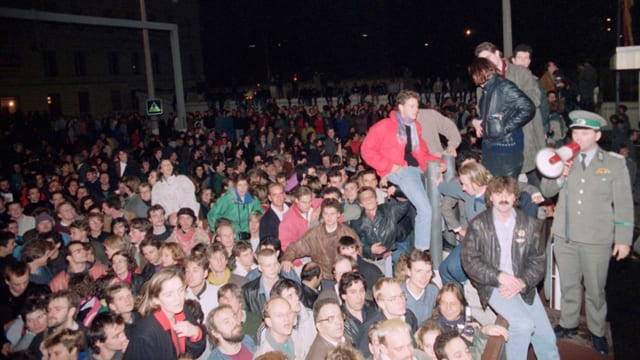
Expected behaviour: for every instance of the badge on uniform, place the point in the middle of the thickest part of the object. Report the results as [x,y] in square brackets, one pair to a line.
[603,171]
[520,236]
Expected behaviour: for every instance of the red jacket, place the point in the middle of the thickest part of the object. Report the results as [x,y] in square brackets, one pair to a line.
[381,148]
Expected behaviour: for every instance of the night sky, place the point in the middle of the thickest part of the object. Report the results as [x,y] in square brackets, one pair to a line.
[240,37]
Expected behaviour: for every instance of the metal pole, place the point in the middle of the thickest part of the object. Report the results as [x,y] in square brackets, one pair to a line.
[181,124]
[436,216]
[507,37]
[147,51]
[618,43]
[148,65]
[450,160]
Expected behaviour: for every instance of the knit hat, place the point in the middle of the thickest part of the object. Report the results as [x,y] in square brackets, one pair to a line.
[44,217]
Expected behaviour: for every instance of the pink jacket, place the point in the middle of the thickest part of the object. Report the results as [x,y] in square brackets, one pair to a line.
[381,148]
[292,227]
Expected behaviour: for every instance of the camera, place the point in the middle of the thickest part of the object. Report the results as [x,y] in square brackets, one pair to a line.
[466,330]
[244,236]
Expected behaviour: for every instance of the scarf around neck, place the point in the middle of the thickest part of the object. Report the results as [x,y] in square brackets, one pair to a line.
[402,131]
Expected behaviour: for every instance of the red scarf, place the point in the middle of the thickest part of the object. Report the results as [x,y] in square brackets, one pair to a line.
[179,343]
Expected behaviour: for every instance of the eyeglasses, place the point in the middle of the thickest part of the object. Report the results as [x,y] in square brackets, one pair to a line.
[394,298]
[332,318]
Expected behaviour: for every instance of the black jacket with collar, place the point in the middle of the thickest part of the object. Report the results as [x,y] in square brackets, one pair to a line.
[383,229]
[481,254]
[504,109]
[151,341]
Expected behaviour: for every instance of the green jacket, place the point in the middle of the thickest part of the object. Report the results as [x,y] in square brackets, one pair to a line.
[237,210]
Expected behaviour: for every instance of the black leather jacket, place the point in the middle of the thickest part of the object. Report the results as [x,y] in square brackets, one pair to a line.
[481,254]
[253,299]
[384,228]
[504,109]
[353,326]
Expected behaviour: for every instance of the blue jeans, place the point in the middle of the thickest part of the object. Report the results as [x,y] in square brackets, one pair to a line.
[409,180]
[527,324]
[451,268]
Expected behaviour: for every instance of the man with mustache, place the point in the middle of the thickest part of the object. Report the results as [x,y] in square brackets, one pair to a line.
[504,257]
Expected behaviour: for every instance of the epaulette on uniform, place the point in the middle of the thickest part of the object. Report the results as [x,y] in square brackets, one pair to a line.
[616,155]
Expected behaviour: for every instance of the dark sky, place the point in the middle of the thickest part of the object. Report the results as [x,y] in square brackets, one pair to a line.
[243,39]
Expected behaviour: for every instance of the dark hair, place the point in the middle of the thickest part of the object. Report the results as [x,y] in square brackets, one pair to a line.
[441,341]
[523,48]
[16,268]
[110,291]
[5,236]
[150,241]
[194,307]
[347,241]
[113,202]
[348,279]
[318,305]
[270,240]
[32,305]
[330,203]
[96,331]
[331,190]
[282,285]
[309,271]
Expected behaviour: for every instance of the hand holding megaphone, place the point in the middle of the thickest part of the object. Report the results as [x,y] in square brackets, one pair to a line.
[550,162]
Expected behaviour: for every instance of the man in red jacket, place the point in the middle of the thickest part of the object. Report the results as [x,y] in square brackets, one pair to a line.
[402,159]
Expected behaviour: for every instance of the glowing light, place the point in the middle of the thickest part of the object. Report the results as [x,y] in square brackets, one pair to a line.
[365,35]
[49,101]
[11,103]
[467,32]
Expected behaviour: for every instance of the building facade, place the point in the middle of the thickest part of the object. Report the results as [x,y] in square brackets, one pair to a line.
[75,69]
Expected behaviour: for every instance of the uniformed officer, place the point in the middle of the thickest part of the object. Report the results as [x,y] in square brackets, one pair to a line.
[594,212]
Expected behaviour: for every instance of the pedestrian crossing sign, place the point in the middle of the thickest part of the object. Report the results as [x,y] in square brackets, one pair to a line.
[154,107]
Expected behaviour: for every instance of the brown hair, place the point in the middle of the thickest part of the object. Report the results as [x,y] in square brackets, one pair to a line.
[405,95]
[452,288]
[499,184]
[485,46]
[152,288]
[481,70]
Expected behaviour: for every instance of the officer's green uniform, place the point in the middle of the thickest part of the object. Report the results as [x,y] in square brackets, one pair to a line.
[595,209]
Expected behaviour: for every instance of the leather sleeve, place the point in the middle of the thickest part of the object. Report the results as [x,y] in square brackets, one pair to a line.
[474,247]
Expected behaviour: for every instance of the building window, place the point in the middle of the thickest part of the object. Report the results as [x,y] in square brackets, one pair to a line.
[116,100]
[135,64]
[80,63]
[50,63]
[155,60]
[84,105]
[112,59]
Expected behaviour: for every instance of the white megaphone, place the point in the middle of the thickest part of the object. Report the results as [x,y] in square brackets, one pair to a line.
[551,161]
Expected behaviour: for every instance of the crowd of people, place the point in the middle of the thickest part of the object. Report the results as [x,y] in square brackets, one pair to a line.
[304,233]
